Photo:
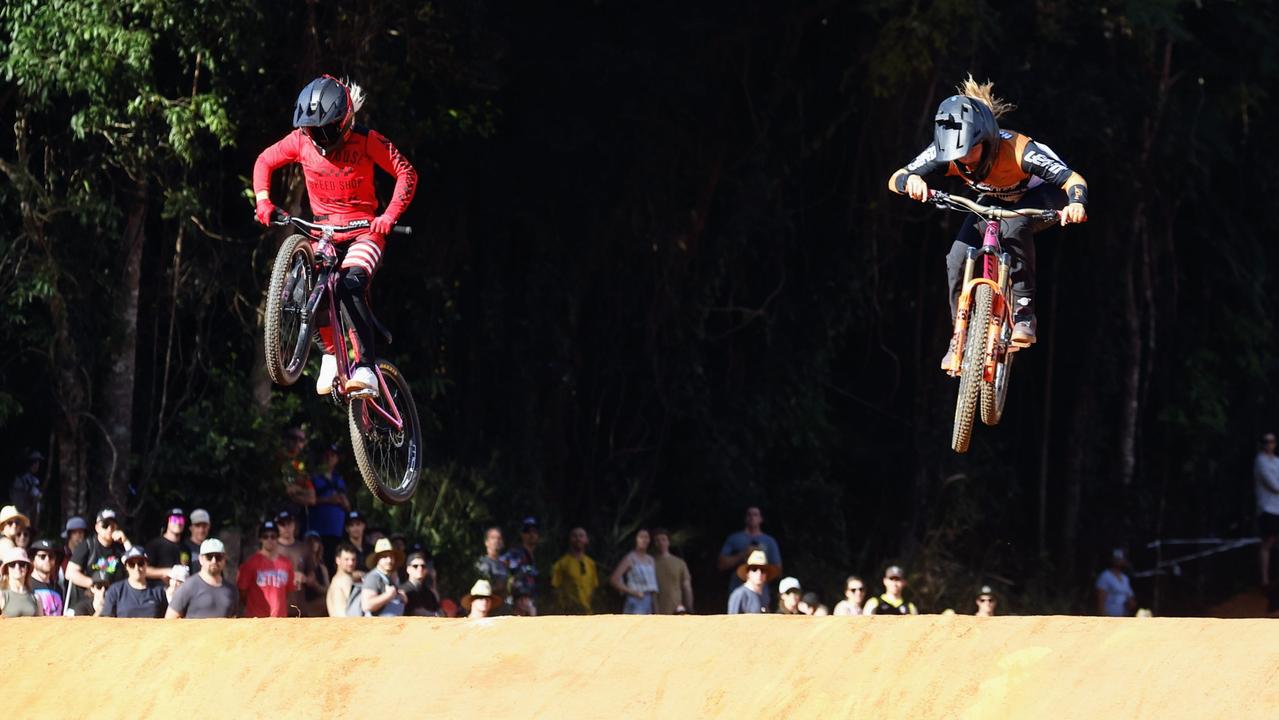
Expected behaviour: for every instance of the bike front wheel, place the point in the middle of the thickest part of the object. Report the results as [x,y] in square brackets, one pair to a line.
[390,458]
[288,336]
[995,393]
[972,369]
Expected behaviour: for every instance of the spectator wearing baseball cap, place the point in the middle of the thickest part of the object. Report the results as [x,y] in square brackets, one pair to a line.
[17,598]
[168,550]
[481,601]
[328,516]
[136,597]
[11,522]
[892,601]
[206,594]
[299,553]
[986,601]
[354,527]
[789,592]
[521,565]
[266,577]
[103,550]
[379,595]
[90,603]
[755,575]
[199,524]
[45,558]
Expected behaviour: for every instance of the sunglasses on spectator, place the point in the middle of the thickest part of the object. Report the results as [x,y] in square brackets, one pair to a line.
[215,557]
[136,563]
[43,556]
[19,565]
[755,568]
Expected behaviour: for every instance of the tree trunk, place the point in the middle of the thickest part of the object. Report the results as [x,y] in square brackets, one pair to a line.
[117,390]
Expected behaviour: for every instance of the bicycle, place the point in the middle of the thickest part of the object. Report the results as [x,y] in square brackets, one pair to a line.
[983,360]
[386,436]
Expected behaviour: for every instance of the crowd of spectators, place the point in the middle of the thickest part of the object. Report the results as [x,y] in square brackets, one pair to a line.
[316,556]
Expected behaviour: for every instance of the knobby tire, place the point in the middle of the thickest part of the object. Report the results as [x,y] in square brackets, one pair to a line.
[390,461]
[292,278]
[970,376]
[994,394]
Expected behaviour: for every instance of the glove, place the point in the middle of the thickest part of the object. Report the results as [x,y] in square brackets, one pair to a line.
[382,225]
[263,213]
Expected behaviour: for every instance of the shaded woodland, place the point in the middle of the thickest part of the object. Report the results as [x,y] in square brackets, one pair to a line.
[657,274]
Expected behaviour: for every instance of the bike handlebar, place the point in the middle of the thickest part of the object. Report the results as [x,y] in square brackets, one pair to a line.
[283,218]
[958,202]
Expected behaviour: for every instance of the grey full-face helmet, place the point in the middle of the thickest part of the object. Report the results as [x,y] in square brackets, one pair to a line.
[962,123]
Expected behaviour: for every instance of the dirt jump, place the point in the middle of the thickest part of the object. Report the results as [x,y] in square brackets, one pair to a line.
[645,667]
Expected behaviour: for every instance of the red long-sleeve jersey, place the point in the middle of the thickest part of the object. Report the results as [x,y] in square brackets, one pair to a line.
[340,184]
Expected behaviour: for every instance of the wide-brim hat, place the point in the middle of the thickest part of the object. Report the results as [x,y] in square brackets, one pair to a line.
[482,588]
[757,558]
[382,549]
[10,512]
[13,555]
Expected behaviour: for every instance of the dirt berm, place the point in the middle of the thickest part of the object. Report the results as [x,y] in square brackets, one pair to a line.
[621,667]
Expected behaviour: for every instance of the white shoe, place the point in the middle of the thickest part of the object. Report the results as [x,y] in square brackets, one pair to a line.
[363,382]
[328,371]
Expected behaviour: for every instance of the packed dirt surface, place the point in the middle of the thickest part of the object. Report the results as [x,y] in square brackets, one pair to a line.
[622,667]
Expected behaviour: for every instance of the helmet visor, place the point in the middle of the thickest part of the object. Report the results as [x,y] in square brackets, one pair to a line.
[326,136]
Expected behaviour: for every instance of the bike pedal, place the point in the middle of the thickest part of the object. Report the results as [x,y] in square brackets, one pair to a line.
[367,393]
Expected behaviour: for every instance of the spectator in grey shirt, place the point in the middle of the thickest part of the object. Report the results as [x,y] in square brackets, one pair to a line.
[755,573]
[206,594]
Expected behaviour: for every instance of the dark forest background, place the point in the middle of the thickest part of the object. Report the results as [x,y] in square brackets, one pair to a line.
[657,275]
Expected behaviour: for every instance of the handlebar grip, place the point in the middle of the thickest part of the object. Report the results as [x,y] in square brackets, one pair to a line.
[402,229]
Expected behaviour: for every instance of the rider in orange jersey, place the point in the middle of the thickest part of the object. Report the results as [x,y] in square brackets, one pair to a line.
[1009,170]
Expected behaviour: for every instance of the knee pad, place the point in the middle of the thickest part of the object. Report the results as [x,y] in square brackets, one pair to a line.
[355,280]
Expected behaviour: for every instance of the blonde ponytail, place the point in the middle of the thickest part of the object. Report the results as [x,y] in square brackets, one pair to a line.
[985,92]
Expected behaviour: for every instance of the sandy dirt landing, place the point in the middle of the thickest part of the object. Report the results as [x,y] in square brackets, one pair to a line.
[621,667]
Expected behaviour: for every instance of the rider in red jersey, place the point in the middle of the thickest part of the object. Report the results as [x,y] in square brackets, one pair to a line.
[337,158]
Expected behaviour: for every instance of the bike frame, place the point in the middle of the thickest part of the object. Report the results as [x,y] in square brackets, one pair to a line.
[995,273]
[325,265]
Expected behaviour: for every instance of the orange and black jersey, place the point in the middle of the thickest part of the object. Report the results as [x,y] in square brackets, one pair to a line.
[1019,165]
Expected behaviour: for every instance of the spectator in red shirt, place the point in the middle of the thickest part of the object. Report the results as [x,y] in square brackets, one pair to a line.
[266,577]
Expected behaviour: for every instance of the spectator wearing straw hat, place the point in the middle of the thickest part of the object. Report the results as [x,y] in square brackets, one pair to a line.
[266,577]
[379,594]
[740,545]
[136,597]
[755,575]
[44,576]
[892,601]
[167,550]
[207,594]
[986,602]
[17,599]
[12,521]
[481,602]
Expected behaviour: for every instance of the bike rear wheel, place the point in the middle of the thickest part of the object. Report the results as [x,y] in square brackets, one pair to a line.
[288,337]
[970,374]
[995,393]
[390,460]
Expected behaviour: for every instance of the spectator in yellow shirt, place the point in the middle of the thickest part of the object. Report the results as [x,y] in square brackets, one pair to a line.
[574,578]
